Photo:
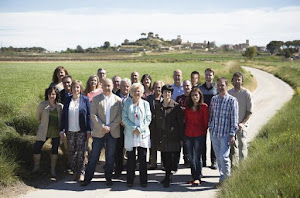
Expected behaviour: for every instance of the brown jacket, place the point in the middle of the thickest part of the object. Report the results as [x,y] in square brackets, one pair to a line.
[169,127]
[42,115]
[99,118]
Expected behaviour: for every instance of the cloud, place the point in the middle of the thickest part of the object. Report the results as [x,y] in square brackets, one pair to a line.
[60,30]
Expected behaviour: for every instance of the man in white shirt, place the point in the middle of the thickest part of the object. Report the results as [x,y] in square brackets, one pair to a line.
[177,85]
[106,111]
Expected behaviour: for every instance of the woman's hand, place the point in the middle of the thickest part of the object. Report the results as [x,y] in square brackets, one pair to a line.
[136,132]
[62,136]
[88,135]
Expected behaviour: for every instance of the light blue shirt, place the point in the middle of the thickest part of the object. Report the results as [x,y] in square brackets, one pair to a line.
[178,91]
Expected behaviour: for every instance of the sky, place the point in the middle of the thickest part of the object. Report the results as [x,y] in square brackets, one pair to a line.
[62,24]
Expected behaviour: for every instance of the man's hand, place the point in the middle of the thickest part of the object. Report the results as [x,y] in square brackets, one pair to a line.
[106,129]
[136,132]
[231,140]
[241,126]
[88,135]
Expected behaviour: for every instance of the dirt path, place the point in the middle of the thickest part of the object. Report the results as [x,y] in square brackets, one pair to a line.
[269,96]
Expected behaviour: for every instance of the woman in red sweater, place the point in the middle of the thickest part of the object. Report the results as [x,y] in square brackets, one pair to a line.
[196,124]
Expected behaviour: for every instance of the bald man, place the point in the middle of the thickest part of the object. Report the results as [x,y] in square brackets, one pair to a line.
[106,110]
[177,85]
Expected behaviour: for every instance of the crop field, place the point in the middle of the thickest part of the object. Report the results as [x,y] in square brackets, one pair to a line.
[23,83]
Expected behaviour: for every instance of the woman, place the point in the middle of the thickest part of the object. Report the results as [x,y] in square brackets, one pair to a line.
[136,117]
[76,125]
[48,115]
[196,124]
[169,129]
[58,74]
[93,87]
[147,83]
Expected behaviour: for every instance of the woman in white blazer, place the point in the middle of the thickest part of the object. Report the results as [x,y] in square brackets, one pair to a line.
[136,117]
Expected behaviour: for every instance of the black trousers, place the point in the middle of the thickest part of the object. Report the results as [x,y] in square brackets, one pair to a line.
[119,155]
[131,165]
[212,154]
[169,160]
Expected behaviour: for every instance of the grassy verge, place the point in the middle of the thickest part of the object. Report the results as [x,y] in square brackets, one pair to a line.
[273,166]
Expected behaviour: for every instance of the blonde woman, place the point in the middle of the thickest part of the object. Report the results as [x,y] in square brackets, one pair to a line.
[76,125]
[93,87]
[136,117]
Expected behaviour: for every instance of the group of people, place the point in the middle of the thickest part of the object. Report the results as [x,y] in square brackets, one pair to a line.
[132,116]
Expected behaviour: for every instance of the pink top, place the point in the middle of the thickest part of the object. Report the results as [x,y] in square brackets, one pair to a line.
[91,95]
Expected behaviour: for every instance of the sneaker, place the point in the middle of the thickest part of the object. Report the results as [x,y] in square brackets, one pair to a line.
[84,183]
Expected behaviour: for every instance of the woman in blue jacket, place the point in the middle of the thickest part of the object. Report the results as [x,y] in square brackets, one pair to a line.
[77,126]
[136,117]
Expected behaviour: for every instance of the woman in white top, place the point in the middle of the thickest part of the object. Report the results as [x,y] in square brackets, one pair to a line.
[77,126]
[136,117]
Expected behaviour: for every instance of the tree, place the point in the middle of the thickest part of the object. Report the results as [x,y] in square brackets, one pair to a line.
[126,41]
[79,49]
[106,45]
[287,53]
[143,34]
[274,46]
[250,52]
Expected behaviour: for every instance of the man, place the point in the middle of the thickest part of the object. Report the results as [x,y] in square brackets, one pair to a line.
[101,74]
[106,110]
[181,100]
[223,125]
[187,87]
[123,93]
[209,89]
[153,100]
[243,97]
[195,76]
[135,76]
[116,81]
[67,81]
[177,85]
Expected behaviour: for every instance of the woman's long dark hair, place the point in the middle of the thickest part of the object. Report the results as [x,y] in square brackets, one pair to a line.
[190,103]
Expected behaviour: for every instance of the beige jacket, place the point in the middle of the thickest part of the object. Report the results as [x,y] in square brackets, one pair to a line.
[42,115]
[99,118]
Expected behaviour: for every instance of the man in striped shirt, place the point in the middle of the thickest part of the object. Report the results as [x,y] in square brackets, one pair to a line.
[223,124]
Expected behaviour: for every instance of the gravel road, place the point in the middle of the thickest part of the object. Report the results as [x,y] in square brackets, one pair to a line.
[269,96]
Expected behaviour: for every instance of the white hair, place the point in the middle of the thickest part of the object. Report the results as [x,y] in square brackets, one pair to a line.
[126,80]
[135,86]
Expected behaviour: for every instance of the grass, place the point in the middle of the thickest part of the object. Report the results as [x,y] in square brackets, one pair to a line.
[273,166]
[23,85]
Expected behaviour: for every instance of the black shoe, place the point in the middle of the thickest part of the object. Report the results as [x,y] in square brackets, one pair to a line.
[109,183]
[213,165]
[130,185]
[152,168]
[85,183]
[166,184]
[144,185]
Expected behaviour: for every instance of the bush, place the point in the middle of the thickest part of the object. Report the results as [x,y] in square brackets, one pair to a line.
[24,124]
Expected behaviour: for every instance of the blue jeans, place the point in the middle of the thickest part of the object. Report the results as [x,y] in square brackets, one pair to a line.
[194,147]
[222,150]
[98,143]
